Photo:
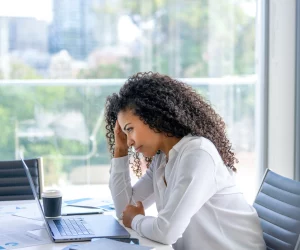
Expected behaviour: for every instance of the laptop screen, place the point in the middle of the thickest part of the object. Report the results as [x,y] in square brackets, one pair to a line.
[35,196]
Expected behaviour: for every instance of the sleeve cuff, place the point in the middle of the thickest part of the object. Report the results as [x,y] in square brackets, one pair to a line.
[119,165]
[135,221]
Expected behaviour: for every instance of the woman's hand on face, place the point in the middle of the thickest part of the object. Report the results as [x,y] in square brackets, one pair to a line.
[121,148]
[131,211]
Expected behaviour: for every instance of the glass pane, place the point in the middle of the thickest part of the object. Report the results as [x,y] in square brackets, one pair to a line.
[59,61]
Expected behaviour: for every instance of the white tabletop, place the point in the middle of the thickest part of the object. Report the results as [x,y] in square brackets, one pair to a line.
[59,246]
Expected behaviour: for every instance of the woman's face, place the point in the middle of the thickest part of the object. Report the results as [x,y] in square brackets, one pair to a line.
[139,135]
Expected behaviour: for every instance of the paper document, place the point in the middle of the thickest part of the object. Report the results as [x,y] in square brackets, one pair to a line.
[15,232]
[33,213]
[106,205]
[21,239]
[13,223]
[12,209]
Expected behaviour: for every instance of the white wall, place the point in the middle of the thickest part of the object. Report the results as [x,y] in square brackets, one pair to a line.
[281,87]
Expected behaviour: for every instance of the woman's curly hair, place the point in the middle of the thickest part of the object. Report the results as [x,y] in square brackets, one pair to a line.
[169,106]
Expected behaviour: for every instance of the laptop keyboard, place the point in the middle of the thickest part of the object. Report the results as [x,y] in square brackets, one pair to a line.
[72,227]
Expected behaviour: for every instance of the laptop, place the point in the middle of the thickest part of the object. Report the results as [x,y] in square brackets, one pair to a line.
[78,228]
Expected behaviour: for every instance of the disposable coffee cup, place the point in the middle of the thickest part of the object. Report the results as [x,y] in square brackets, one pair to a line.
[52,200]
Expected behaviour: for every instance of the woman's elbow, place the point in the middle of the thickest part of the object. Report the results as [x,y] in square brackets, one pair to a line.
[168,239]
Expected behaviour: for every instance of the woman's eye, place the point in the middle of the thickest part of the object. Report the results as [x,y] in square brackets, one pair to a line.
[129,130]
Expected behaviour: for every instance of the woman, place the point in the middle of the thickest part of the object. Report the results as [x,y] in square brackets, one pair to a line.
[190,166]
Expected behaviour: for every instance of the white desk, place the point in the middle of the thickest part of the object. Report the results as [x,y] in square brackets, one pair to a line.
[59,246]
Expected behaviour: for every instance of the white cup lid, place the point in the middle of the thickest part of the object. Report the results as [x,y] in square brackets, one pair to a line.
[52,193]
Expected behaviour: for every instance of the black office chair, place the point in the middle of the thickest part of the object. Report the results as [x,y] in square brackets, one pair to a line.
[14,184]
[278,207]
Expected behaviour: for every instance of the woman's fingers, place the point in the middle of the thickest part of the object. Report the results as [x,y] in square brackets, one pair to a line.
[117,127]
[121,147]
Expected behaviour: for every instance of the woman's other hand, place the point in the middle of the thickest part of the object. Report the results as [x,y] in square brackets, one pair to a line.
[121,148]
[131,211]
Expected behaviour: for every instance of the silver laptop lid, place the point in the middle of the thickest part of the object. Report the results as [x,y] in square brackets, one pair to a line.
[36,196]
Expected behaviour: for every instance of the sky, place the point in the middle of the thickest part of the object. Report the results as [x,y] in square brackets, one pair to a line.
[40,9]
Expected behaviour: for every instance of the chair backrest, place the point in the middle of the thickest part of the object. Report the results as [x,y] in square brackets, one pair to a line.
[278,207]
[14,184]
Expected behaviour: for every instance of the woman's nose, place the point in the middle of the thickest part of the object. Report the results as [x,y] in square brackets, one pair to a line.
[130,142]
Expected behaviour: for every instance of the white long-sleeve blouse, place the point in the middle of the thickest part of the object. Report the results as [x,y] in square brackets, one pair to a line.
[199,208]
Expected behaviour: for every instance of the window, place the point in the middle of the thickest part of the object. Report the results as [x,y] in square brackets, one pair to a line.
[59,63]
